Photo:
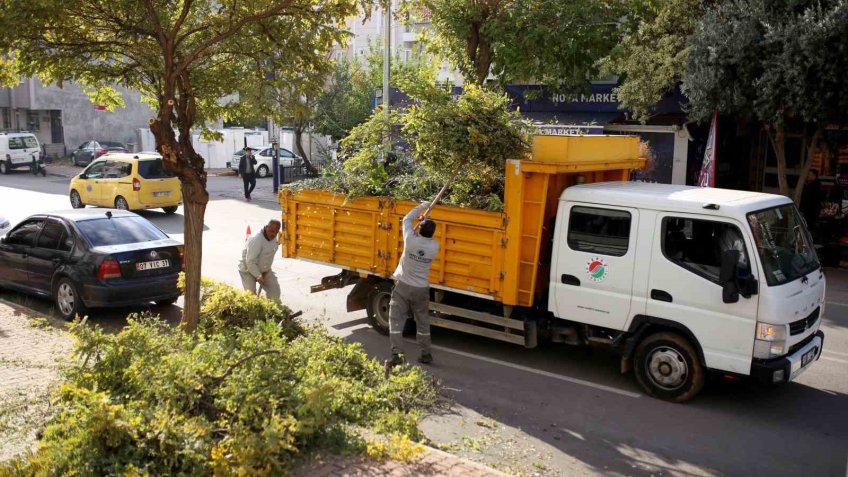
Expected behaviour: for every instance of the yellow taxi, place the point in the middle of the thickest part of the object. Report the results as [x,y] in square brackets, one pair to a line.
[127,182]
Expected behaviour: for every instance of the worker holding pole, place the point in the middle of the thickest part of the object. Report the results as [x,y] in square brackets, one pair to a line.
[412,286]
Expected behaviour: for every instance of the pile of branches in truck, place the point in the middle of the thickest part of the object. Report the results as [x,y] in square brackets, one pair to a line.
[412,154]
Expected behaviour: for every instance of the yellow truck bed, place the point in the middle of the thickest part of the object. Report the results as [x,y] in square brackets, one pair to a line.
[499,256]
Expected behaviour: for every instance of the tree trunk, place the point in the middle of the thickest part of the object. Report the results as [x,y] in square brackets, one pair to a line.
[179,156]
[778,142]
[808,153]
[298,145]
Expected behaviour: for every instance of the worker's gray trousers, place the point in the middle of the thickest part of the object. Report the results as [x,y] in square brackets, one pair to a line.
[406,298]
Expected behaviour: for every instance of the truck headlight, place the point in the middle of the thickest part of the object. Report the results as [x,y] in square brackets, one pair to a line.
[770,340]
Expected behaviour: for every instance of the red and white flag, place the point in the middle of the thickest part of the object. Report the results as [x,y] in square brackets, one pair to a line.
[708,167]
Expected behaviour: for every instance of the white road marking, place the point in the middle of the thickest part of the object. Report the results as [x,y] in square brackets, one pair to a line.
[834,359]
[539,372]
[838,353]
[834,303]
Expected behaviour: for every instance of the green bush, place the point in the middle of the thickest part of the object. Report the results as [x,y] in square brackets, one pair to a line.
[241,397]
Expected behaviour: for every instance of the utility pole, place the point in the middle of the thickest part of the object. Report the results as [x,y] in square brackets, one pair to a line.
[387,53]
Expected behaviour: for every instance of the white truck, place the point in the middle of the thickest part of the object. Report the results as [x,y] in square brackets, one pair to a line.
[680,280]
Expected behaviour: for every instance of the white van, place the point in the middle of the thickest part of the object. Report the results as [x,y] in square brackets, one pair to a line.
[17,149]
[688,280]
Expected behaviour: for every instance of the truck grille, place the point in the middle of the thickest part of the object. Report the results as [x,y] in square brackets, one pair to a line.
[804,324]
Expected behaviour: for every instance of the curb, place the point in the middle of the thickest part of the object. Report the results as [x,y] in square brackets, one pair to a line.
[481,467]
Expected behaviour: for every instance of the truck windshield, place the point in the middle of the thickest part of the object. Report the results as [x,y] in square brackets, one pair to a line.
[783,243]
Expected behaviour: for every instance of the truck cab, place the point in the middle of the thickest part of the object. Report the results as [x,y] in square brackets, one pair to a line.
[688,280]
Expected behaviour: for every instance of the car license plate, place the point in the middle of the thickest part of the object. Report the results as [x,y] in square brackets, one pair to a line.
[809,356]
[142,266]
[162,194]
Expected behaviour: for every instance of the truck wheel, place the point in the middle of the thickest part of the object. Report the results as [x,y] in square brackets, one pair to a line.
[378,306]
[668,367]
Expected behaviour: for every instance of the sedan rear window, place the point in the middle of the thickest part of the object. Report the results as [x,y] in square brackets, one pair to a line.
[119,231]
[153,169]
[112,144]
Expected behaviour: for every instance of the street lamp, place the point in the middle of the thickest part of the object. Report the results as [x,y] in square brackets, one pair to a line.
[275,164]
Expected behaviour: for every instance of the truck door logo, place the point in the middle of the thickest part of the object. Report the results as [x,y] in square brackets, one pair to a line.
[597,269]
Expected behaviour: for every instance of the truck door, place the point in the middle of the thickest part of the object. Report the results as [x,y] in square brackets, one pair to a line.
[592,278]
[683,286]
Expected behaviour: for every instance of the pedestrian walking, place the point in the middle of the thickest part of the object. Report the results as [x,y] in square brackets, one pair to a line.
[256,260]
[247,171]
[412,287]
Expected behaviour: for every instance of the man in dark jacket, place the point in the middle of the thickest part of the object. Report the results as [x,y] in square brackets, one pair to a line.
[247,171]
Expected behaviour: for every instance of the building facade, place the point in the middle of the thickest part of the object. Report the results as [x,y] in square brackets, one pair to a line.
[63,118]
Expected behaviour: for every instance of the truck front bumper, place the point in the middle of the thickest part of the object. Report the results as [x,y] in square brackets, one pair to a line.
[789,367]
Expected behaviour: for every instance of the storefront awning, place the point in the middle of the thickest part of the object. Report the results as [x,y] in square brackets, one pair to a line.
[571,123]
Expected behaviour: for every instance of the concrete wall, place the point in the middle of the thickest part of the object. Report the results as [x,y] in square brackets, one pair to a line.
[81,122]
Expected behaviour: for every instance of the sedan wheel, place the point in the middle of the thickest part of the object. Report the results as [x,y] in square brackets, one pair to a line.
[262,171]
[68,300]
[121,203]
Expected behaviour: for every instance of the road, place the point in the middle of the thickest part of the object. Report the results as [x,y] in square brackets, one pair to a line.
[554,410]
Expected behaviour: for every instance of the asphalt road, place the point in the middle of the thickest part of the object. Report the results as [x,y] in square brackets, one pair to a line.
[554,410]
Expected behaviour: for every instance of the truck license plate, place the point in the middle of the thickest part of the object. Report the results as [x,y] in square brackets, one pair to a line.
[162,194]
[809,356]
[142,266]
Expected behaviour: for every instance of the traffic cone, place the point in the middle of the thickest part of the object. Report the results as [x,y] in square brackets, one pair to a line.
[247,234]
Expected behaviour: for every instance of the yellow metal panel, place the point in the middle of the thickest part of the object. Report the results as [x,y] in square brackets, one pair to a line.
[577,149]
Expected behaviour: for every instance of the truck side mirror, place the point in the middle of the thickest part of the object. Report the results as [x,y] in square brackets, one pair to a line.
[727,276]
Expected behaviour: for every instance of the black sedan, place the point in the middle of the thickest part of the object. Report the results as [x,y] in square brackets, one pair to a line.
[91,258]
[91,150]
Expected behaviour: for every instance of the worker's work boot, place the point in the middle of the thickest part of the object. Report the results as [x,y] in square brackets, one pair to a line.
[426,358]
[396,360]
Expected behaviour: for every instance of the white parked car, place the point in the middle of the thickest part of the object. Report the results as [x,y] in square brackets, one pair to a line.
[264,157]
[17,149]
[4,226]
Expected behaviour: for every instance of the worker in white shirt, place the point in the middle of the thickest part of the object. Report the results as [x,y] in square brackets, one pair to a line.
[412,287]
[256,260]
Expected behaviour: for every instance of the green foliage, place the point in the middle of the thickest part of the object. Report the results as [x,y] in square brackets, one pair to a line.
[787,60]
[346,100]
[651,59]
[242,398]
[554,42]
[477,130]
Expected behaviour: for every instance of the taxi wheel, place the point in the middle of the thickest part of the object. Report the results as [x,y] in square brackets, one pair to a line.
[76,200]
[121,203]
[170,210]
[262,171]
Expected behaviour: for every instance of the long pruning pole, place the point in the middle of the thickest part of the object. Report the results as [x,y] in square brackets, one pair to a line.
[439,195]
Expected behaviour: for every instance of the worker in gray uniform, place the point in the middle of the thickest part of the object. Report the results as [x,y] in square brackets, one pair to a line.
[256,260]
[412,287]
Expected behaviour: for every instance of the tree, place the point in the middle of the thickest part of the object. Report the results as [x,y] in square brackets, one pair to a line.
[651,57]
[184,56]
[781,62]
[345,101]
[553,42]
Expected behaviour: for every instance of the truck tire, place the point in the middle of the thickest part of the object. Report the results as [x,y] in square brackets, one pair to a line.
[668,367]
[377,306]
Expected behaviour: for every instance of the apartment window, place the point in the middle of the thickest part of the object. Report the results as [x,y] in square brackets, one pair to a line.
[33,121]
[5,118]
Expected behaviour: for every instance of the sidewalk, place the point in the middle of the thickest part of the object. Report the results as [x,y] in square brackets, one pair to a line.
[433,463]
[33,348]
